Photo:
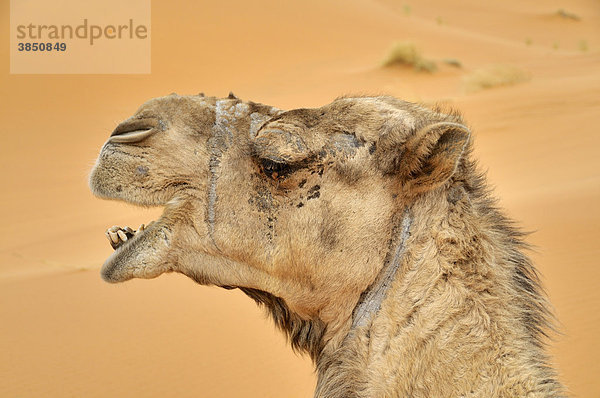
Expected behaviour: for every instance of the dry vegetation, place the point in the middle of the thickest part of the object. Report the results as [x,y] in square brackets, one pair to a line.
[495,76]
[568,15]
[405,53]
[453,62]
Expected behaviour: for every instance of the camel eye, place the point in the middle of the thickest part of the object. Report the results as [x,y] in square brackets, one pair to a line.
[274,170]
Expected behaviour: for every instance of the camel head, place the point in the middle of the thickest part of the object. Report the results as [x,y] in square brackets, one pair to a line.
[302,206]
[362,226]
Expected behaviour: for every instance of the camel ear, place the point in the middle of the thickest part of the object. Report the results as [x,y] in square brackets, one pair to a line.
[431,155]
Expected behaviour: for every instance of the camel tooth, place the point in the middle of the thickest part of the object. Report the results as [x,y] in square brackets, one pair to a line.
[113,236]
[122,235]
[114,228]
[128,230]
[140,228]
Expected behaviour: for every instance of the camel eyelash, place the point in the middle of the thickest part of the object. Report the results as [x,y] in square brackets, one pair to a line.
[274,170]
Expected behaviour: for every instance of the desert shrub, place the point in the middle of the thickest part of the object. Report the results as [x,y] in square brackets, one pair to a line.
[495,76]
[568,15]
[453,62]
[405,53]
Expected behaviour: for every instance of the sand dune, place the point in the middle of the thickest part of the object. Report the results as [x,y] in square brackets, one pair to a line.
[64,332]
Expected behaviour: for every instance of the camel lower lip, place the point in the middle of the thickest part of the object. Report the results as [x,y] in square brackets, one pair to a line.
[138,256]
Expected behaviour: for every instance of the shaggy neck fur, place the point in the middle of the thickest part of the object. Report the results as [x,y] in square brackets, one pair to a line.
[458,301]
[465,305]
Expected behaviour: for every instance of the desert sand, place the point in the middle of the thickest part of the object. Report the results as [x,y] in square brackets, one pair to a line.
[64,332]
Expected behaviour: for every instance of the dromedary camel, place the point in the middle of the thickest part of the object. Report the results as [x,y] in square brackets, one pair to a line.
[362,226]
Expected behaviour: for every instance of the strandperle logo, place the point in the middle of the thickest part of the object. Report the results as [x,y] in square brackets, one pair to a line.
[74,36]
[84,31]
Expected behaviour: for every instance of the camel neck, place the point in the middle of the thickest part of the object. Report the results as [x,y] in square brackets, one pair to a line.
[371,299]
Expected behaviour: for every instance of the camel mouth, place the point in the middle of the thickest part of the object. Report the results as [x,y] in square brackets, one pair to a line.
[134,252]
[137,252]
[119,237]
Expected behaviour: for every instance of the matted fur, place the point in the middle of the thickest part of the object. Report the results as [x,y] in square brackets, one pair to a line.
[302,210]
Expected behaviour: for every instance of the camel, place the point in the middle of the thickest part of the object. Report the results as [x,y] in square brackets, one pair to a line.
[363,227]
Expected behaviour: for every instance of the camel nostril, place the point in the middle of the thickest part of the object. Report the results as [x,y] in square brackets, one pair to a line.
[132,136]
[135,130]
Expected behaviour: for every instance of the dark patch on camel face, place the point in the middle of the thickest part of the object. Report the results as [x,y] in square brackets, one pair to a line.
[314,192]
[262,200]
[267,207]
[271,221]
